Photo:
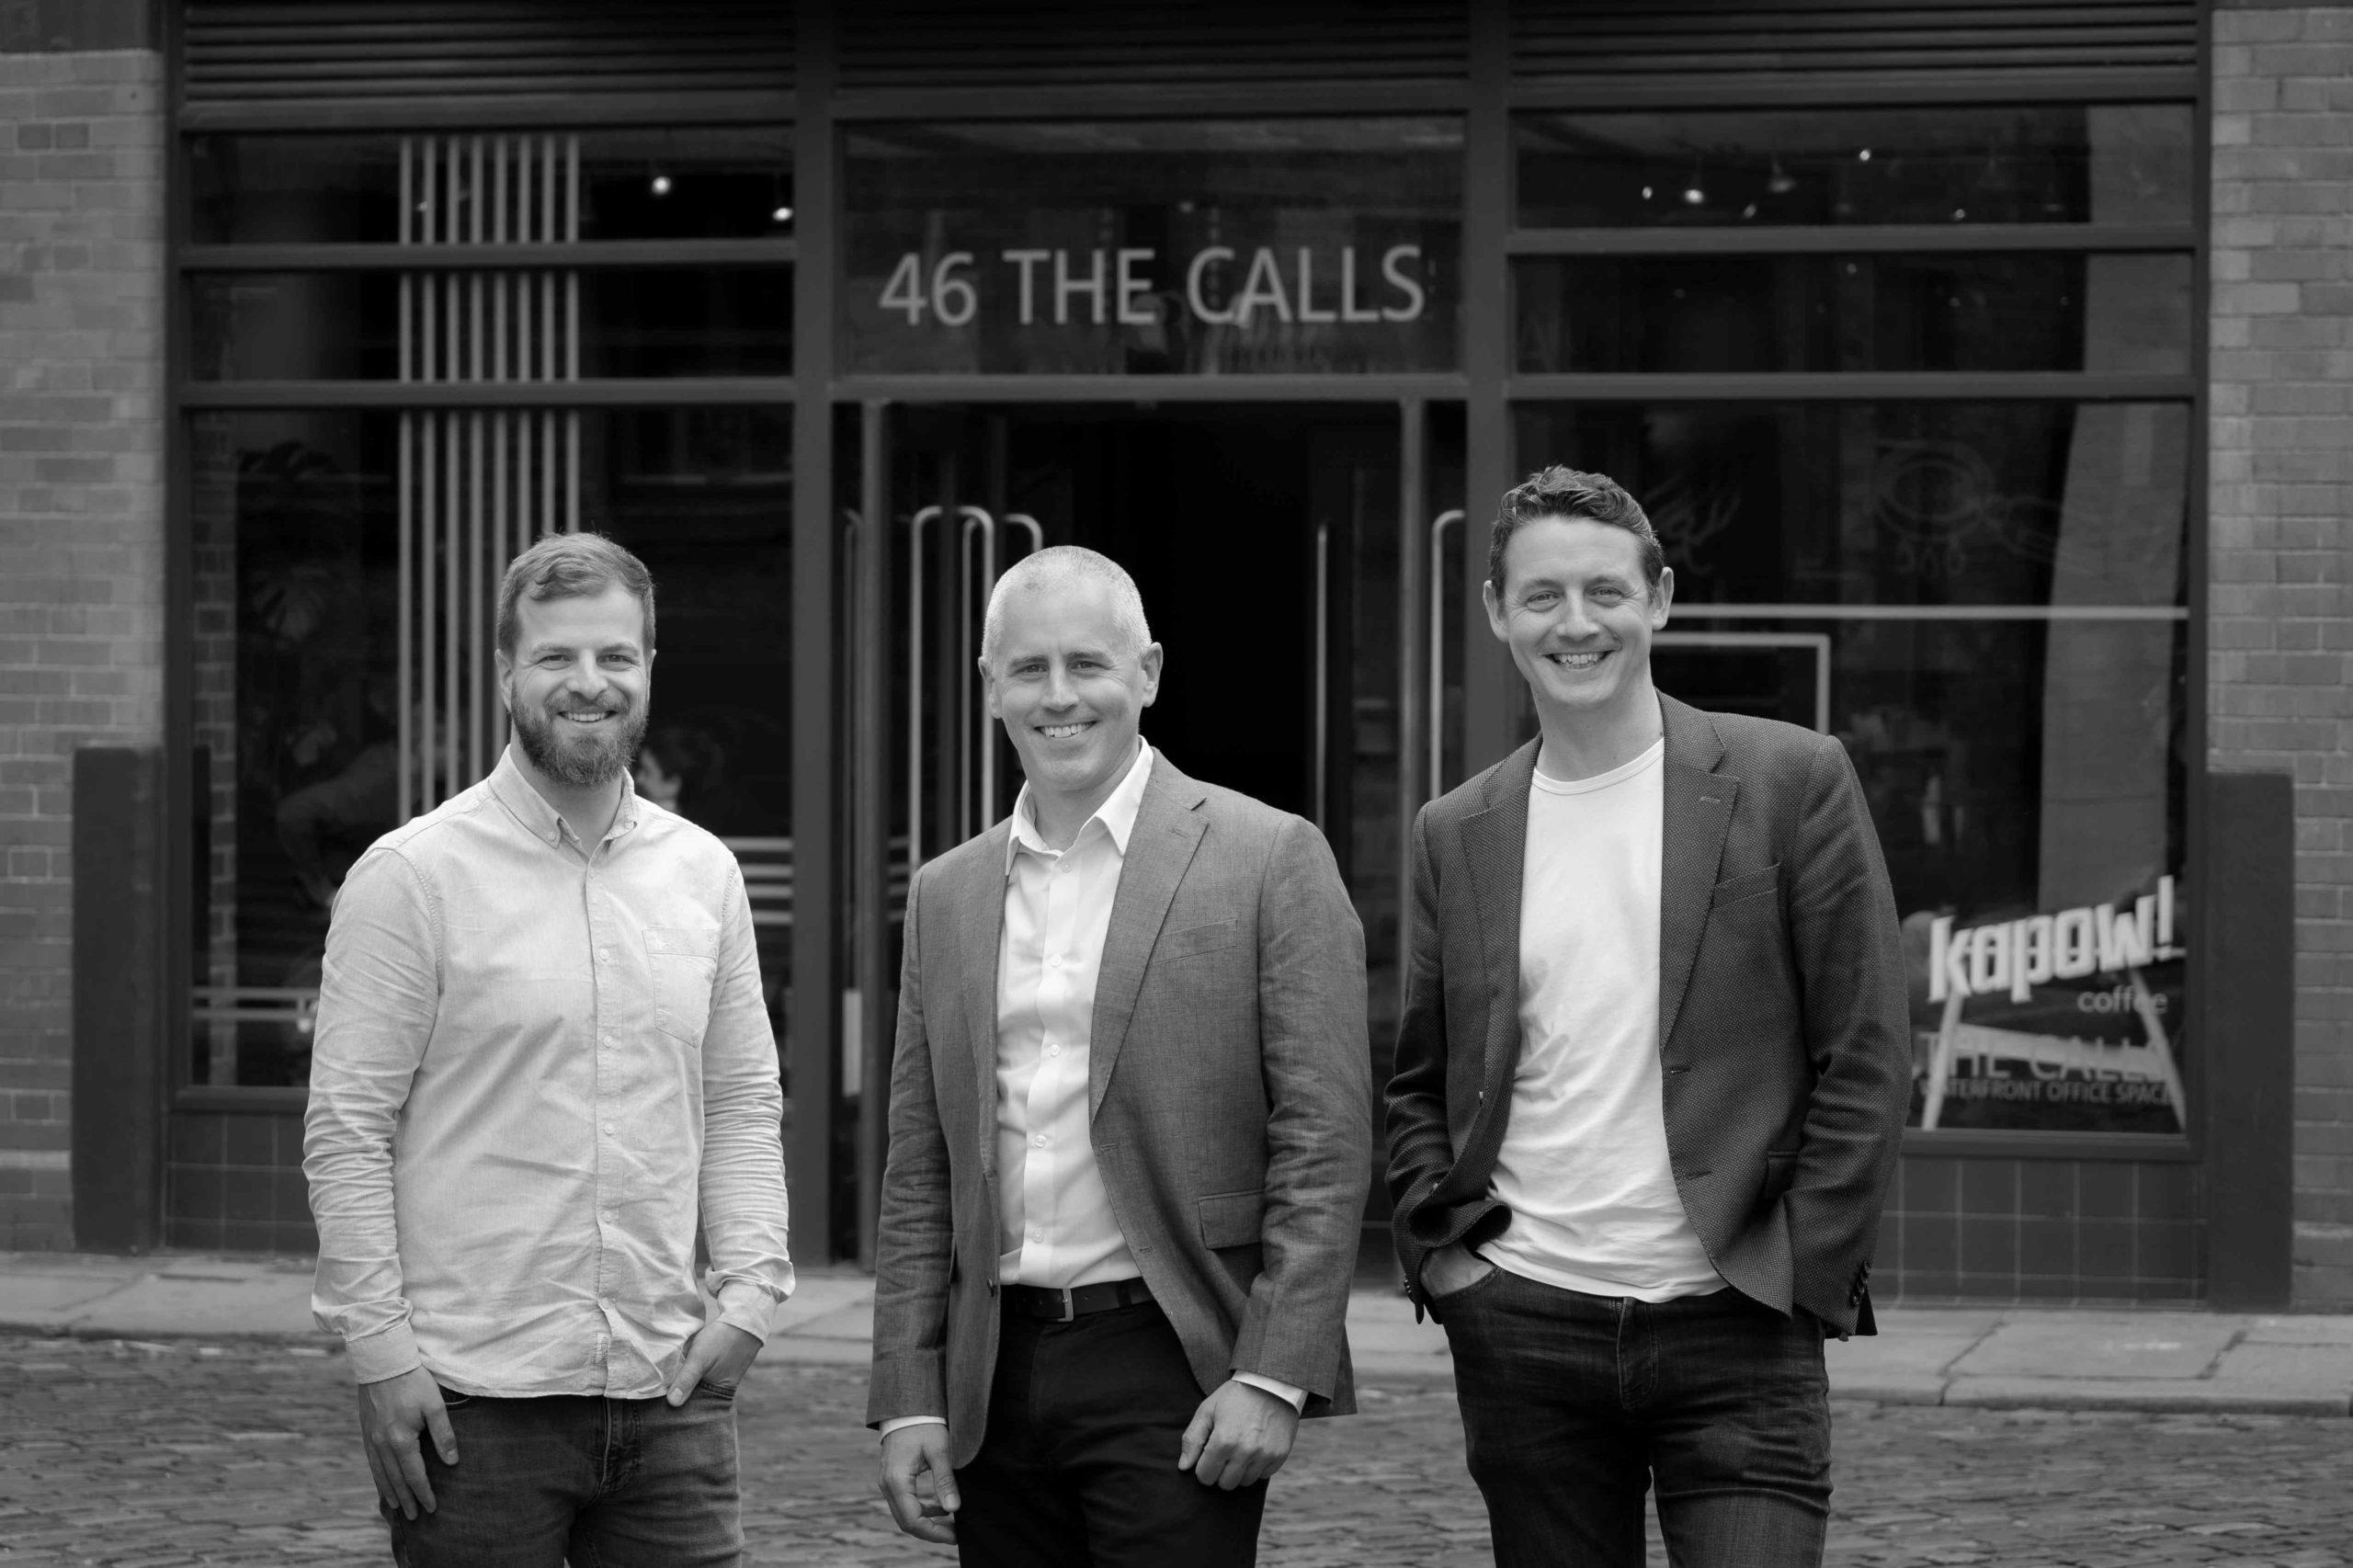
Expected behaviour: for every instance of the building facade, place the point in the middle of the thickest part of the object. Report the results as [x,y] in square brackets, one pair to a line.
[1982,366]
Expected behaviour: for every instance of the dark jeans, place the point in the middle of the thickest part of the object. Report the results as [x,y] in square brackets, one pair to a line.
[1573,1405]
[576,1477]
[1078,1466]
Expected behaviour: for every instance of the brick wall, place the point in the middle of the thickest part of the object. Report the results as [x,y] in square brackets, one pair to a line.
[2280,668]
[81,542]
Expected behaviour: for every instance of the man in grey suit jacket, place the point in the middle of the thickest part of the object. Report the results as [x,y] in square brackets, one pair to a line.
[1130,1120]
[1652,1076]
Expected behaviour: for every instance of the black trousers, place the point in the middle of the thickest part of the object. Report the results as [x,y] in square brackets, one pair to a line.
[1078,1466]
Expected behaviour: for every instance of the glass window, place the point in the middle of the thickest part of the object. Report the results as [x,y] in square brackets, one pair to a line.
[1926,503]
[726,183]
[314,529]
[2014,163]
[1956,311]
[1981,600]
[1144,247]
[652,321]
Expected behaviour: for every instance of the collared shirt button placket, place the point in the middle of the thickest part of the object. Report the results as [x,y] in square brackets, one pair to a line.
[600,933]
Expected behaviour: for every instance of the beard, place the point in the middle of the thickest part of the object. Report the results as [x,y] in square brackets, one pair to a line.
[584,761]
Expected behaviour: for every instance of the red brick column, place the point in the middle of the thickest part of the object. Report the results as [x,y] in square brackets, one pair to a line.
[81,542]
[2279,669]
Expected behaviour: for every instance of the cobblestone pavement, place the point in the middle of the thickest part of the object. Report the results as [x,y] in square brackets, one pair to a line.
[140,1456]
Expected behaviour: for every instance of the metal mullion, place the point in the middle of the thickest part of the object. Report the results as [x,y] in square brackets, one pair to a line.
[477,714]
[1491,702]
[1852,386]
[404,635]
[1151,101]
[1117,388]
[451,628]
[505,255]
[1415,648]
[601,111]
[615,392]
[571,336]
[428,298]
[428,528]
[1855,240]
[812,1034]
[1885,90]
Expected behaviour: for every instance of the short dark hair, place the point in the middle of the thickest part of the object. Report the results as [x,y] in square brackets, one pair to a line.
[570,566]
[1568,494]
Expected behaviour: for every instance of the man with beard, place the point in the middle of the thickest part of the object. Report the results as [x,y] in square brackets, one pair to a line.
[542,1064]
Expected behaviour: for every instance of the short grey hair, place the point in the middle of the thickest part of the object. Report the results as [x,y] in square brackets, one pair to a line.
[1060,567]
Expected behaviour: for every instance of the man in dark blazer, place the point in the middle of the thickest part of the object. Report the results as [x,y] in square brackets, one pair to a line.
[1130,1120]
[1652,1077]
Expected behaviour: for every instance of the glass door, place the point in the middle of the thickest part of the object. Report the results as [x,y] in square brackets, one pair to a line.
[1284,570]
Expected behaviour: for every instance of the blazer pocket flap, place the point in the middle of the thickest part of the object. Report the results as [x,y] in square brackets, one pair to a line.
[1748,884]
[1232,1218]
[1201,939]
[682,942]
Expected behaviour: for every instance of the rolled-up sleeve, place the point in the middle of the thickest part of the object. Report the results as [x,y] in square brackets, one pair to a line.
[744,1213]
[378,996]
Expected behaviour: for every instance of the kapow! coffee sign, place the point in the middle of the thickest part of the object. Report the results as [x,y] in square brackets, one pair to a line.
[2015,956]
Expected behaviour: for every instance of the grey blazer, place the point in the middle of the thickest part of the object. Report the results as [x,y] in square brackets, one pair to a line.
[1783,1024]
[1230,1092]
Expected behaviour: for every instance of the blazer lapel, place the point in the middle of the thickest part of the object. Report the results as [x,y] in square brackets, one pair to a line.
[1698,817]
[980,938]
[1168,828]
[1494,846]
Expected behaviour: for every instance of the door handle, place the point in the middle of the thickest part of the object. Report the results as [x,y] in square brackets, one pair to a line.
[915,686]
[977,756]
[1437,709]
[1037,534]
[1323,665]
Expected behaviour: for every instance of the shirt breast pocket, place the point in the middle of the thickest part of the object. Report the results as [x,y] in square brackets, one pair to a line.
[684,962]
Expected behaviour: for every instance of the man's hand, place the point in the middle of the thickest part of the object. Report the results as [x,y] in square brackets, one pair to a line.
[1451,1268]
[390,1414]
[1240,1436]
[909,1455]
[719,1354]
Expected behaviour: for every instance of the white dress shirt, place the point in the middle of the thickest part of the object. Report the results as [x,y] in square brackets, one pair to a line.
[541,1066]
[1055,1224]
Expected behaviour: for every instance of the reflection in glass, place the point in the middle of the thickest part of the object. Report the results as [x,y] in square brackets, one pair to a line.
[2013,164]
[1922,311]
[306,526]
[472,326]
[1896,503]
[1149,247]
[2012,693]
[713,183]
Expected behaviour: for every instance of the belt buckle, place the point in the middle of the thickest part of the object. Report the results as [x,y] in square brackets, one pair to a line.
[1069,1307]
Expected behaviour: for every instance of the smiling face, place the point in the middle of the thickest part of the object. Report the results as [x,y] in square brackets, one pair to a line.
[578,686]
[1071,689]
[1578,618]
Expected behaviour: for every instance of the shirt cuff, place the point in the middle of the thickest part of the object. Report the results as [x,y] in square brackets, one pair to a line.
[1289,1392]
[898,1421]
[747,1306]
[387,1354]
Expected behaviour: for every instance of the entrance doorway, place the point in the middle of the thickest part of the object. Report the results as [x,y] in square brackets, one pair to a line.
[1283,553]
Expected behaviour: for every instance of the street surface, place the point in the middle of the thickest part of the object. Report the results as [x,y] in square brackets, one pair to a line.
[142,1456]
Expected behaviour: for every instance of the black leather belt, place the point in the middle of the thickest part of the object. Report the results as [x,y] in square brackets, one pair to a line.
[1061,1306]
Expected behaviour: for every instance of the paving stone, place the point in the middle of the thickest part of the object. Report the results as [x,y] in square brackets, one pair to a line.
[132,1457]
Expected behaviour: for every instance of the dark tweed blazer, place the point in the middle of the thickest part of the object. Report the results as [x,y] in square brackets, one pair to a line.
[1783,1025]
[1230,1092]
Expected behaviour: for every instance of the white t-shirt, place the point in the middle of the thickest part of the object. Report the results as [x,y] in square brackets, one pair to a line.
[1584,1163]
